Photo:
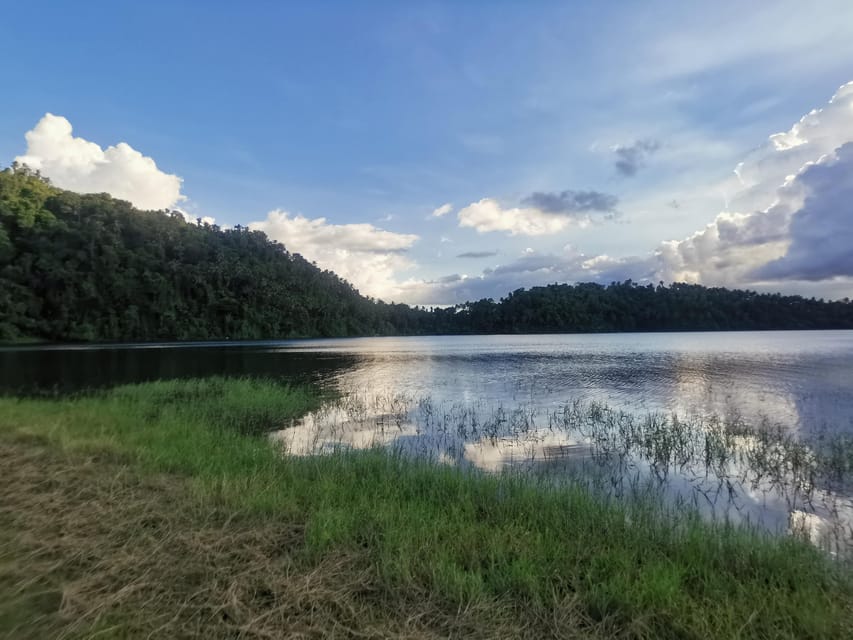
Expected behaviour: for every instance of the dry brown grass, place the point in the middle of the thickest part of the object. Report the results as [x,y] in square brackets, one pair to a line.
[90,548]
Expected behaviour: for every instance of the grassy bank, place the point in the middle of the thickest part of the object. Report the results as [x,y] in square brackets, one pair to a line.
[225,531]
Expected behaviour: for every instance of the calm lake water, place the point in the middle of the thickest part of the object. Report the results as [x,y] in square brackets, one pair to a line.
[803,379]
[498,402]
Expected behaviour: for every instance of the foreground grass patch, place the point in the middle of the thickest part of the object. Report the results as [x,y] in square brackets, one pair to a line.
[537,559]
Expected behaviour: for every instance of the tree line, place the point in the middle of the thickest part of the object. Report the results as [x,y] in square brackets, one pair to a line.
[93,268]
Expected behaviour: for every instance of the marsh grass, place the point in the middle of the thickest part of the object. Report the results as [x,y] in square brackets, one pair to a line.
[435,541]
[761,474]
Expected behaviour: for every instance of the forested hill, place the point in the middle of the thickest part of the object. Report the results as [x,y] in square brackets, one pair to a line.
[89,267]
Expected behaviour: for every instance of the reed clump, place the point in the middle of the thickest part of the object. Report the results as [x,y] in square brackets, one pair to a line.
[761,474]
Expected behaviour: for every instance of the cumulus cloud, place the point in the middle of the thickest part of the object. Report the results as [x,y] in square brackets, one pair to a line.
[819,132]
[368,257]
[568,266]
[488,215]
[819,127]
[79,165]
[790,218]
[443,210]
[539,214]
[631,158]
[532,269]
[789,222]
[729,247]
[821,230]
[192,219]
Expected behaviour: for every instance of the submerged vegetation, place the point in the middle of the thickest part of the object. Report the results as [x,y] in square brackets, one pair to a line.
[764,475]
[89,267]
[176,517]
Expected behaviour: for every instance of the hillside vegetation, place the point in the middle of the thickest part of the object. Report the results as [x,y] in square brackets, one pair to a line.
[90,267]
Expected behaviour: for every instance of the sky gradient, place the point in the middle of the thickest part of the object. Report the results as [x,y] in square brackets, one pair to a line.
[433,153]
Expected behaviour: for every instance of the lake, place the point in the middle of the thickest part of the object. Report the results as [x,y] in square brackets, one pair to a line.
[537,403]
[803,379]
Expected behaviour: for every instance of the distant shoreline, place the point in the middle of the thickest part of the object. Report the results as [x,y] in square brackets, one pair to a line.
[224,342]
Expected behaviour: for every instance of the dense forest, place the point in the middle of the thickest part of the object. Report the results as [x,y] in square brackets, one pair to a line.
[89,267]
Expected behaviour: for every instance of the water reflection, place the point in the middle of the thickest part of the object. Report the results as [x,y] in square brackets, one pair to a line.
[539,447]
[75,367]
[801,379]
[725,469]
[357,422]
[495,403]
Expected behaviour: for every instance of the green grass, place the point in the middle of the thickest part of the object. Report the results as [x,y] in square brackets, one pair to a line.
[459,536]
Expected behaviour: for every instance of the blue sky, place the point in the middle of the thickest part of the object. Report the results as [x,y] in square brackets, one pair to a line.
[571,141]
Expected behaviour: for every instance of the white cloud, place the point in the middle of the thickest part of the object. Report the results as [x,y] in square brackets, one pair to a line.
[79,165]
[819,132]
[789,223]
[362,254]
[821,230]
[443,210]
[803,174]
[193,219]
[540,213]
[530,270]
[488,215]
[787,220]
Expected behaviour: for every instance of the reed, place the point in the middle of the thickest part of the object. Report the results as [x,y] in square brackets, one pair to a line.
[762,474]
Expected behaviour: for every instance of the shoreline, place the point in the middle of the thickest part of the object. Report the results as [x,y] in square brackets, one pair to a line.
[43,344]
[448,553]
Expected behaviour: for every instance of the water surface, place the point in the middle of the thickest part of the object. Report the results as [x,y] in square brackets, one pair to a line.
[523,402]
[803,379]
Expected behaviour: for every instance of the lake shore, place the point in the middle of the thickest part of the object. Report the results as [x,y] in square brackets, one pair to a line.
[157,508]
